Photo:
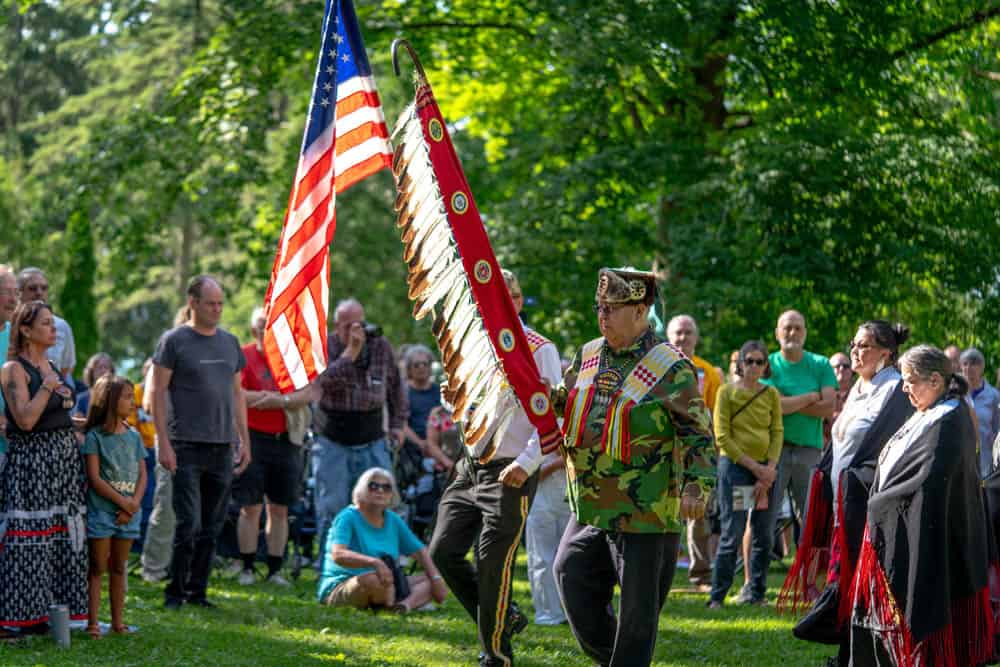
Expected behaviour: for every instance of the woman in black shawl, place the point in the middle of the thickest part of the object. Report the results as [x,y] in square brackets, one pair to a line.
[875,409]
[920,593]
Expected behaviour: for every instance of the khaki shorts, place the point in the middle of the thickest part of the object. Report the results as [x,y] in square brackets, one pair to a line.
[348,593]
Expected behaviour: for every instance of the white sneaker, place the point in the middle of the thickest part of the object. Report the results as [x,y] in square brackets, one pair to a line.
[234,568]
[247,577]
[278,580]
[153,578]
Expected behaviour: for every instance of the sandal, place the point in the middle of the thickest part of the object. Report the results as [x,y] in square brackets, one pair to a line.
[94,630]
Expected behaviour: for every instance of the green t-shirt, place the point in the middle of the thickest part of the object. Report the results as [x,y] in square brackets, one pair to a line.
[120,455]
[812,373]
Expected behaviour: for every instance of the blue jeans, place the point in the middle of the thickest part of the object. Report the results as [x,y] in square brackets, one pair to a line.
[147,499]
[732,474]
[336,469]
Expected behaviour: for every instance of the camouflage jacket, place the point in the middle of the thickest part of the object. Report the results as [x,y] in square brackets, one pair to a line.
[671,443]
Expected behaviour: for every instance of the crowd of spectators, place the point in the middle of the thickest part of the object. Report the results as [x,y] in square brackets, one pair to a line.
[369,444]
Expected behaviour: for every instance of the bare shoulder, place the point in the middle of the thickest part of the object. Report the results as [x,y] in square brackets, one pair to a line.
[12,370]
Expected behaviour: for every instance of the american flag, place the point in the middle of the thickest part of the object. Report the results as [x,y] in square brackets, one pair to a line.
[345,140]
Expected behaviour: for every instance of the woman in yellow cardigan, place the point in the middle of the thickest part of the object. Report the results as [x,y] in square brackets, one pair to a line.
[748,432]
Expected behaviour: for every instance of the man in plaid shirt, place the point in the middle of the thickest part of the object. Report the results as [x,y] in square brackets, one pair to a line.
[362,378]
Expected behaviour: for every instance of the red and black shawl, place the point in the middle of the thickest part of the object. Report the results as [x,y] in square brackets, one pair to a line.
[920,592]
[827,620]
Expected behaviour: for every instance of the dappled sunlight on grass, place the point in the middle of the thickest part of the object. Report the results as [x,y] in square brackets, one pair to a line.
[267,625]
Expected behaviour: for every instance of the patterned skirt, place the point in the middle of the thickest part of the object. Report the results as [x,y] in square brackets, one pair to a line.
[43,552]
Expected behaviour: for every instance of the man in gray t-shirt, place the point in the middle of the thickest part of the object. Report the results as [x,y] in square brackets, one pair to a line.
[199,412]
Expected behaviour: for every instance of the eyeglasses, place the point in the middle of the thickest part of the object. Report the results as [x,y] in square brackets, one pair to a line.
[861,347]
[607,309]
[420,364]
[755,362]
[375,486]
[841,366]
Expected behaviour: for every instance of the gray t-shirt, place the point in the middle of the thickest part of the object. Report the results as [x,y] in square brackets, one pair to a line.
[200,393]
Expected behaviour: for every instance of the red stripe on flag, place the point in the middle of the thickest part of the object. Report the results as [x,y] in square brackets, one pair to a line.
[311,225]
[282,301]
[355,101]
[363,170]
[361,134]
[316,174]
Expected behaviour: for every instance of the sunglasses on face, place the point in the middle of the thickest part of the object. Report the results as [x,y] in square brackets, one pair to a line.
[841,366]
[755,362]
[862,347]
[606,309]
[378,486]
[420,364]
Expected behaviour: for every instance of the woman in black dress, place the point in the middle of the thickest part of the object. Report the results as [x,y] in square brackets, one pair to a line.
[43,556]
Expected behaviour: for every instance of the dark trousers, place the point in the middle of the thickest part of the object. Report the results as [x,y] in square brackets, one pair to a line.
[201,491]
[477,504]
[732,475]
[588,565]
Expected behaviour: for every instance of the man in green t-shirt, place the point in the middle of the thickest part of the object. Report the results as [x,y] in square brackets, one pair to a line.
[808,393]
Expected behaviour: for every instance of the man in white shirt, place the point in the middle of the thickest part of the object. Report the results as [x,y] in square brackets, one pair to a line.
[32,285]
[491,501]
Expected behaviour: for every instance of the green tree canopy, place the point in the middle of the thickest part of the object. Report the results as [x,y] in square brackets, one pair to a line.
[841,158]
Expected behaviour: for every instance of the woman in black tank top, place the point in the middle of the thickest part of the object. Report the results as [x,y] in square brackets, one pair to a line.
[42,501]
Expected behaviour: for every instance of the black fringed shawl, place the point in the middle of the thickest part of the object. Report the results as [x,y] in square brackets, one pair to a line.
[920,593]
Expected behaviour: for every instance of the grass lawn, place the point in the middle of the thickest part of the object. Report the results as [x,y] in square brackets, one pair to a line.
[267,625]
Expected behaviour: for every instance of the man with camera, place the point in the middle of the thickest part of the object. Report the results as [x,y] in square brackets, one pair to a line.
[360,381]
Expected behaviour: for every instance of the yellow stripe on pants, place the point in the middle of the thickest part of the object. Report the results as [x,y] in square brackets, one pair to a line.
[504,600]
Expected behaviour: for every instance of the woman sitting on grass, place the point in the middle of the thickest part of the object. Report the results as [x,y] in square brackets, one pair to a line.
[361,556]
[116,470]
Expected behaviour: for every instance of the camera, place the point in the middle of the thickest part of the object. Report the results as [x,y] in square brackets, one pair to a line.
[372,330]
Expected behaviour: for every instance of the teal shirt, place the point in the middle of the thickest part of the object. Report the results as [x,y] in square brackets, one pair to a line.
[352,530]
[812,373]
[120,455]
[4,344]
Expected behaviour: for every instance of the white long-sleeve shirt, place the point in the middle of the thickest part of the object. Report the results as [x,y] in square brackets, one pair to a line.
[861,409]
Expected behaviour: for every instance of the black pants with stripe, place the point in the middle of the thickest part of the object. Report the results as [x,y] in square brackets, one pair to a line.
[477,505]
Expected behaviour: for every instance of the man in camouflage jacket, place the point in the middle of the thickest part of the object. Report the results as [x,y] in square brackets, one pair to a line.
[640,460]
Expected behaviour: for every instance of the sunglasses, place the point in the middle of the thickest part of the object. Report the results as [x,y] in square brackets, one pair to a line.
[841,366]
[755,362]
[420,364]
[607,309]
[862,347]
[376,486]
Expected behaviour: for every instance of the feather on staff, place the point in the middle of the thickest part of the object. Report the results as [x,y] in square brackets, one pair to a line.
[453,273]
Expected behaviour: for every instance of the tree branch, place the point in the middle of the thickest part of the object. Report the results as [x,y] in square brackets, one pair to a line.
[981,16]
[992,76]
[454,25]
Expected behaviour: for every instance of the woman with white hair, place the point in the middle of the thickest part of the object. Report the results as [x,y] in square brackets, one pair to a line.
[361,556]
[986,401]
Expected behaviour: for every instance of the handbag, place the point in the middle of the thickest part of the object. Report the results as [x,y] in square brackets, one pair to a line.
[399,580]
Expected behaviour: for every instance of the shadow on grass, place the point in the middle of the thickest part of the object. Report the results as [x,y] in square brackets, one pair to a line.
[265,625]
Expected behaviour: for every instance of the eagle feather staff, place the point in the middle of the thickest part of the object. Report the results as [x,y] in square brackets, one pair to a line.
[454,274]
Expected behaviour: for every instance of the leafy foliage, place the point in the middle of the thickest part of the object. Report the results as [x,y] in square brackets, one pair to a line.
[841,158]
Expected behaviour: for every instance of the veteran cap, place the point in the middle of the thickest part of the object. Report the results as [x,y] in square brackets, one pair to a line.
[626,285]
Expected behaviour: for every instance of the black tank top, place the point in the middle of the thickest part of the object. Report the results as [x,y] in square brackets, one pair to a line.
[53,417]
